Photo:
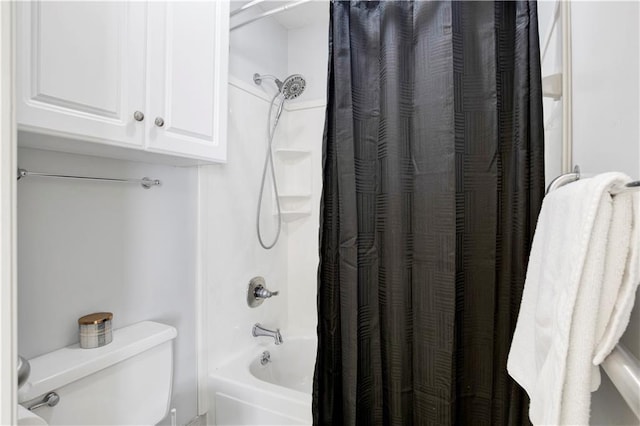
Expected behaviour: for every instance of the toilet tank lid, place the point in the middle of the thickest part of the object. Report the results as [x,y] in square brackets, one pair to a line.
[63,366]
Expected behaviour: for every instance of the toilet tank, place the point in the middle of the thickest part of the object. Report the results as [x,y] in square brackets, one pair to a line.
[127,382]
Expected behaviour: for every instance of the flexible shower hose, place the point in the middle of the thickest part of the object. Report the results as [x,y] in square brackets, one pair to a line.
[268,163]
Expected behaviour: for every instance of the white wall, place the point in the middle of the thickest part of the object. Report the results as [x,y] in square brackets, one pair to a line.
[90,246]
[606,86]
[606,128]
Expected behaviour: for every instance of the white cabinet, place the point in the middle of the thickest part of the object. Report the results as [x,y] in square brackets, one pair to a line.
[81,69]
[148,76]
[187,80]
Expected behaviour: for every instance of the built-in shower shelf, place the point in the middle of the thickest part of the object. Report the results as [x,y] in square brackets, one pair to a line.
[552,86]
[295,206]
[290,216]
[292,154]
[293,167]
[294,197]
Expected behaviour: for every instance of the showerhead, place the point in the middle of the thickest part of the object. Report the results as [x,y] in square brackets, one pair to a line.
[291,87]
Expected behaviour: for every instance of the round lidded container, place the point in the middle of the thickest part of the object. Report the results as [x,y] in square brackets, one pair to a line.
[95,330]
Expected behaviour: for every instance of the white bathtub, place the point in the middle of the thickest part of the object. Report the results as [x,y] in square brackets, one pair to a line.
[244,392]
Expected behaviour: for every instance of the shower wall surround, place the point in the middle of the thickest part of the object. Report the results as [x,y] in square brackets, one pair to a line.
[228,203]
[305,127]
[232,255]
[228,193]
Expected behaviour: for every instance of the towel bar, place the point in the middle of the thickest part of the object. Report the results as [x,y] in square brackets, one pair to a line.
[624,371]
[575,175]
[145,181]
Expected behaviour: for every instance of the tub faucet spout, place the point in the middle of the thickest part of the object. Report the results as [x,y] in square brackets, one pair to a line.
[258,330]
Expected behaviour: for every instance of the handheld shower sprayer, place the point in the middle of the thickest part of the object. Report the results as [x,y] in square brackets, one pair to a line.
[292,87]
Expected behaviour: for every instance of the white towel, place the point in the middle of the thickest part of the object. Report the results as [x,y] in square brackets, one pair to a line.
[578,295]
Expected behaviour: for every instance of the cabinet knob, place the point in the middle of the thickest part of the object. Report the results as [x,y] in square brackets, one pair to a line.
[138,116]
[159,121]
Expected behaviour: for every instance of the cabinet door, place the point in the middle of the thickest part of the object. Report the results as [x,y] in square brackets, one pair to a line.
[187,77]
[81,69]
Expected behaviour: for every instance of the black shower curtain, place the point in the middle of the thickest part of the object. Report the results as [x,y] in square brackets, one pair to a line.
[433,179]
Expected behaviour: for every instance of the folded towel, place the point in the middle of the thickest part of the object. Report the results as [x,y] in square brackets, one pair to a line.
[578,295]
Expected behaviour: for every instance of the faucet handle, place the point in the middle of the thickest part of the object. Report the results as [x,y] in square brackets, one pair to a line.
[263,293]
[258,291]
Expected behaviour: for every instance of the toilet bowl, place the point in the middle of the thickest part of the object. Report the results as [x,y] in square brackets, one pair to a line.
[125,382]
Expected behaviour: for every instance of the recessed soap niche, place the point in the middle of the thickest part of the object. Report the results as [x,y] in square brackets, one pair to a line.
[293,171]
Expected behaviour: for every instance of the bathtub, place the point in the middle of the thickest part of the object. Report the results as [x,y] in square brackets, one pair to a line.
[245,392]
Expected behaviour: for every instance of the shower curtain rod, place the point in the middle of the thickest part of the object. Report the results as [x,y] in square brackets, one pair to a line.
[145,181]
[264,14]
[245,7]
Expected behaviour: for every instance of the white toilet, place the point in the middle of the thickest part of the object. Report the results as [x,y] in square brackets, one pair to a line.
[127,382]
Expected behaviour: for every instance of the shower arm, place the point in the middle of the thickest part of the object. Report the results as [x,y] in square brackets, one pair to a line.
[257,79]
